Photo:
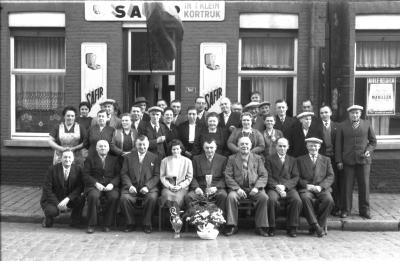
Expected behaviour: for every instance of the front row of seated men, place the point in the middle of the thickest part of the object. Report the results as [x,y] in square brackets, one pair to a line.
[296,184]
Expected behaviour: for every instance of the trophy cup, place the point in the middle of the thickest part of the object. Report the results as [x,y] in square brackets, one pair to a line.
[208,182]
[176,222]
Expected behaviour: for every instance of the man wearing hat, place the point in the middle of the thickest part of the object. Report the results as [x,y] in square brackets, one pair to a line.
[155,132]
[263,112]
[316,177]
[355,141]
[283,122]
[142,103]
[302,131]
[252,107]
[112,119]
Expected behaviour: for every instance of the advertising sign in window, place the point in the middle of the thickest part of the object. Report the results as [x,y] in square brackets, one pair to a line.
[381,96]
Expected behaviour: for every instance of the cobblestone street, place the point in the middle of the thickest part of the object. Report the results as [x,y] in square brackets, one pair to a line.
[29,241]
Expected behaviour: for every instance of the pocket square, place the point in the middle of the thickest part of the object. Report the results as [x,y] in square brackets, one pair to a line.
[152,164]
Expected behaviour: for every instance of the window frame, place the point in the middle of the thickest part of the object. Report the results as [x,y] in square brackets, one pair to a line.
[269,73]
[40,136]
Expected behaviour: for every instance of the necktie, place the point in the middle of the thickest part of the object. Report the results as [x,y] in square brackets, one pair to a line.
[314,159]
[356,124]
[326,124]
[103,161]
[66,174]
[156,127]
[283,160]
[282,119]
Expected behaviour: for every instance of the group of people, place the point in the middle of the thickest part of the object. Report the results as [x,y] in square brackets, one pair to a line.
[162,156]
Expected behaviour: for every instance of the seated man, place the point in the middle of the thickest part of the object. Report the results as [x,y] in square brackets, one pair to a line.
[101,175]
[246,177]
[140,175]
[281,188]
[62,190]
[208,163]
[316,178]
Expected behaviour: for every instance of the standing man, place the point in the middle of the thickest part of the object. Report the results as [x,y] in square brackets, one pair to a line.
[112,119]
[162,104]
[101,175]
[228,120]
[355,141]
[201,104]
[189,130]
[179,117]
[255,96]
[283,122]
[246,177]
[142,103]
[316,178]
[281,188]
[237,107]
[263,109]
[137,121]
[329,129]
[155,132]
[140,175]
[208,163]
[62,190]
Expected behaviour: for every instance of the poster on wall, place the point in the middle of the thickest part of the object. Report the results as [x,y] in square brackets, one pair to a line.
[94,74]
[213,74]
[381,96]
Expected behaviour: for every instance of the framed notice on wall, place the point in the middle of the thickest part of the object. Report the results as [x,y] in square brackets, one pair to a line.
[381,96]
[93,74]
[213,73]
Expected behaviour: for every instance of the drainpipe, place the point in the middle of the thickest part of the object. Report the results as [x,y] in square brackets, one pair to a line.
[311,61]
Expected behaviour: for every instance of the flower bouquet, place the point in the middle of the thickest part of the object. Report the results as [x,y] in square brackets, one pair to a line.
[207,217]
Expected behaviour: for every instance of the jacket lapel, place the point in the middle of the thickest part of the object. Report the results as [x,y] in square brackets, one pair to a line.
[60,175]
[317,169]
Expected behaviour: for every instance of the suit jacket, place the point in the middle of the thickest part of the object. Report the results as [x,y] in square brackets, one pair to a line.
[117,141]
[142,124]
[203,118]
[180,119]
[233,120]
[55,189]
[270,141]
[286,126]
[148,176]
[93,171]
[259,124]
[172,133]
[333,127]
[154,147]
[202,167]
[114,122]
[183,133]
[257,174]
[321,174]
[94,135]
[297,144]
[351,144]
[286,174]
[257,141]
[221,137]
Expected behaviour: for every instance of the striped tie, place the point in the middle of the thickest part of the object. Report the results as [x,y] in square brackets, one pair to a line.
[356,124]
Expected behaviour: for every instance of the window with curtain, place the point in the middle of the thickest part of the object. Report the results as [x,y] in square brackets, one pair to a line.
[378,59]
[38,73]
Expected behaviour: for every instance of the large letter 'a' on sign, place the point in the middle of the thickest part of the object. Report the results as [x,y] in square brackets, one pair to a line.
[160,17]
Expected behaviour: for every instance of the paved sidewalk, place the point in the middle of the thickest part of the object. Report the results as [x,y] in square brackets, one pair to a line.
[21,204]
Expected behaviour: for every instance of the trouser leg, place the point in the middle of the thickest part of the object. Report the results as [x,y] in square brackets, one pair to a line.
[50,210]
[232,203]
[92,202]
[273,206]
[261,207]
[77,205]
[220,199]
[325,206]
[349,172]
[127,201]
[337,190]
[308,198]
[111,207]
[293,208]
[149,204]
[362,172]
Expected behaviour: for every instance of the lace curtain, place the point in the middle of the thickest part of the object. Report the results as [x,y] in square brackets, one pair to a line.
[378,55]
[271,88]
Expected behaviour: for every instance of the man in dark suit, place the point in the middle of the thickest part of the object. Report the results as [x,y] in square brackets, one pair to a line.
[329,129]
[355,141]
[140,175]
[189,130]
[228,120]
[316,178]
[246,177]
[101,175]
[62,190]
[179,117]
[281,188]
[302,131]
[156,132]
[208,163]
[283,122]
[142,103]
[262,114]
[137,121]
[201,105]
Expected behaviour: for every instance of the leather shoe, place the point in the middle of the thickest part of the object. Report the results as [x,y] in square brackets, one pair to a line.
[231,231]
[366,215]
[47,222]
[261,231]
[271,231]
[106,229]
[292,232]
[318,230]
[90,230]
[343,214]
[129,228]
[147,229]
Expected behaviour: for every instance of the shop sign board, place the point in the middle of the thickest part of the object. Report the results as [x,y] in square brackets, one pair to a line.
[213,74]
[93,75]
[381,96]
[133,10]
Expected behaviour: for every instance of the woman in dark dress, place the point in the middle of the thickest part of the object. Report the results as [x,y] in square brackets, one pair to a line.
[97,132]
[171,127]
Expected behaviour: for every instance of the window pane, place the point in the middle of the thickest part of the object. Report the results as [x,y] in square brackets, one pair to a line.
[140,58]
[39,102]
[378,55]
[382,125]
[271,89]
[39,52]
[267,53]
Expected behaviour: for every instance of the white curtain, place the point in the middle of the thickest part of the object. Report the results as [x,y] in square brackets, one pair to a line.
[271,88]
[378,55]
[267,53]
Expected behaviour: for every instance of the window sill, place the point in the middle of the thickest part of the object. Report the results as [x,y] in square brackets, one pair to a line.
[388,144]
[27,143]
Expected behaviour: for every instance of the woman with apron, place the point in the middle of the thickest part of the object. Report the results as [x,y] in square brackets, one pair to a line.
[68,135]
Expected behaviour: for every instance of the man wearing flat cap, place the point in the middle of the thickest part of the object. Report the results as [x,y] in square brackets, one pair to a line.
[142,103]
[156,132]
[355,141]
[263,111]
[316,177]
[252,107]
[112,119]
[302,131]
